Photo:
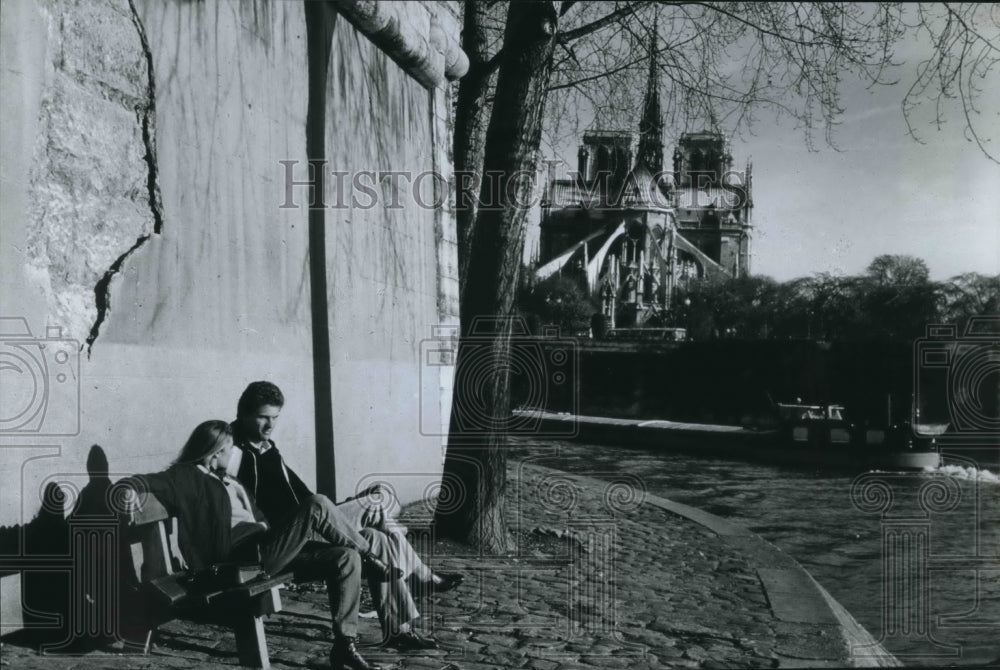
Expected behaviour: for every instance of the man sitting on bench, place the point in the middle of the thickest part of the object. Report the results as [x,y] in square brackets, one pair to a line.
[219,522]
[278,491]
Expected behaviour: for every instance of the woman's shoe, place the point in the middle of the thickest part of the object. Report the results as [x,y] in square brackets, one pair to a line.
[447,581]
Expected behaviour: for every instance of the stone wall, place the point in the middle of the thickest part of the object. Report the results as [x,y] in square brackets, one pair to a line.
[143,187]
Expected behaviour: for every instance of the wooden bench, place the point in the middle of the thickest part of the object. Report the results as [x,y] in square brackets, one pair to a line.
[238,595]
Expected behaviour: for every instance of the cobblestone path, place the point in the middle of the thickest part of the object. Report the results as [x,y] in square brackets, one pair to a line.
[604,577]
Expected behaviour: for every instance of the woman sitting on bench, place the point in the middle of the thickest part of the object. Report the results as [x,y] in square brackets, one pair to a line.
[219,522]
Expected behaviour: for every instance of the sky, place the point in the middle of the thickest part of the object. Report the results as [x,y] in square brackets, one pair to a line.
[879,192]
[882,193]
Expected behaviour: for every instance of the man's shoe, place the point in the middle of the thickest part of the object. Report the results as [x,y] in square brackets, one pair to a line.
[410,641]
[374,566]
[344,656]
[446,581]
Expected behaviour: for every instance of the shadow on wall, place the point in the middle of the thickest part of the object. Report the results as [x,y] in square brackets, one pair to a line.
[63,609]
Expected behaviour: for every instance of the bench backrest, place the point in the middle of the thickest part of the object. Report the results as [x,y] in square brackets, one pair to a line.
[154,541]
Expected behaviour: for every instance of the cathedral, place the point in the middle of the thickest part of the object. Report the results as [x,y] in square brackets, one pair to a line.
[636,233]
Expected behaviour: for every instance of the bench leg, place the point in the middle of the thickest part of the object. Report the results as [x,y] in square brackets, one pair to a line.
[251,644]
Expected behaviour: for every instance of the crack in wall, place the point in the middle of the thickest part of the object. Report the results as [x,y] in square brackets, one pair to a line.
[147,117]
[145,114]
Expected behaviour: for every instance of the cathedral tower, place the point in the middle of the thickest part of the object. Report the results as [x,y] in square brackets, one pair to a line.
[651,125]
[702,159]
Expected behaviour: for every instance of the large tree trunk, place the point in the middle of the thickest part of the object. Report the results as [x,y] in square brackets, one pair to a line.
[471,506]
[471,116]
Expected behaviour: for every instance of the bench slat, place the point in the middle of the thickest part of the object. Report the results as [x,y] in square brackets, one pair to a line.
[168,589]
[247,603]
[152,510]
[248,590]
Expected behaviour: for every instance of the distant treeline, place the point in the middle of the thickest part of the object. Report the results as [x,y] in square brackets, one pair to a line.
[893,300]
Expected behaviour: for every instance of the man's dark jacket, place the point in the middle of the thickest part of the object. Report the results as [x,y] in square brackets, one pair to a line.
[275,487]
[202,507]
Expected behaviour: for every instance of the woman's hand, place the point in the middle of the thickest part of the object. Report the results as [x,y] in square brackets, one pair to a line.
[373,517]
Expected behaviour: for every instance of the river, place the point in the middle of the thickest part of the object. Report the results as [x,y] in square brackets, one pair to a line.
[852,532]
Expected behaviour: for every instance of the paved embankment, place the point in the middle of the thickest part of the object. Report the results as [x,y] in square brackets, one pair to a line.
[606,576]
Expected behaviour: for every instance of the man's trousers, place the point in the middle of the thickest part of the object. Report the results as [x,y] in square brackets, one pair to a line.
[316,543]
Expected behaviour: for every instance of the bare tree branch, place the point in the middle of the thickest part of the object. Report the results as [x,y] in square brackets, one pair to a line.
[576,33]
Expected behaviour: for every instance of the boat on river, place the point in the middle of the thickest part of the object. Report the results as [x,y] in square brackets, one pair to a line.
[825,432]
[817,436]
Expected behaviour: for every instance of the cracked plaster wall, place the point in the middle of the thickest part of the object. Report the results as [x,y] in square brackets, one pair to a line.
[177,227]
[88,197]
[207,278]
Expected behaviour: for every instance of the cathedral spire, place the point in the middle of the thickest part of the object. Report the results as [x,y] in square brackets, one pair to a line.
[651,126]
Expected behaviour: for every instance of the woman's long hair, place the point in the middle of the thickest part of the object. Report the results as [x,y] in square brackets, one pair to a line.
[205,440]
